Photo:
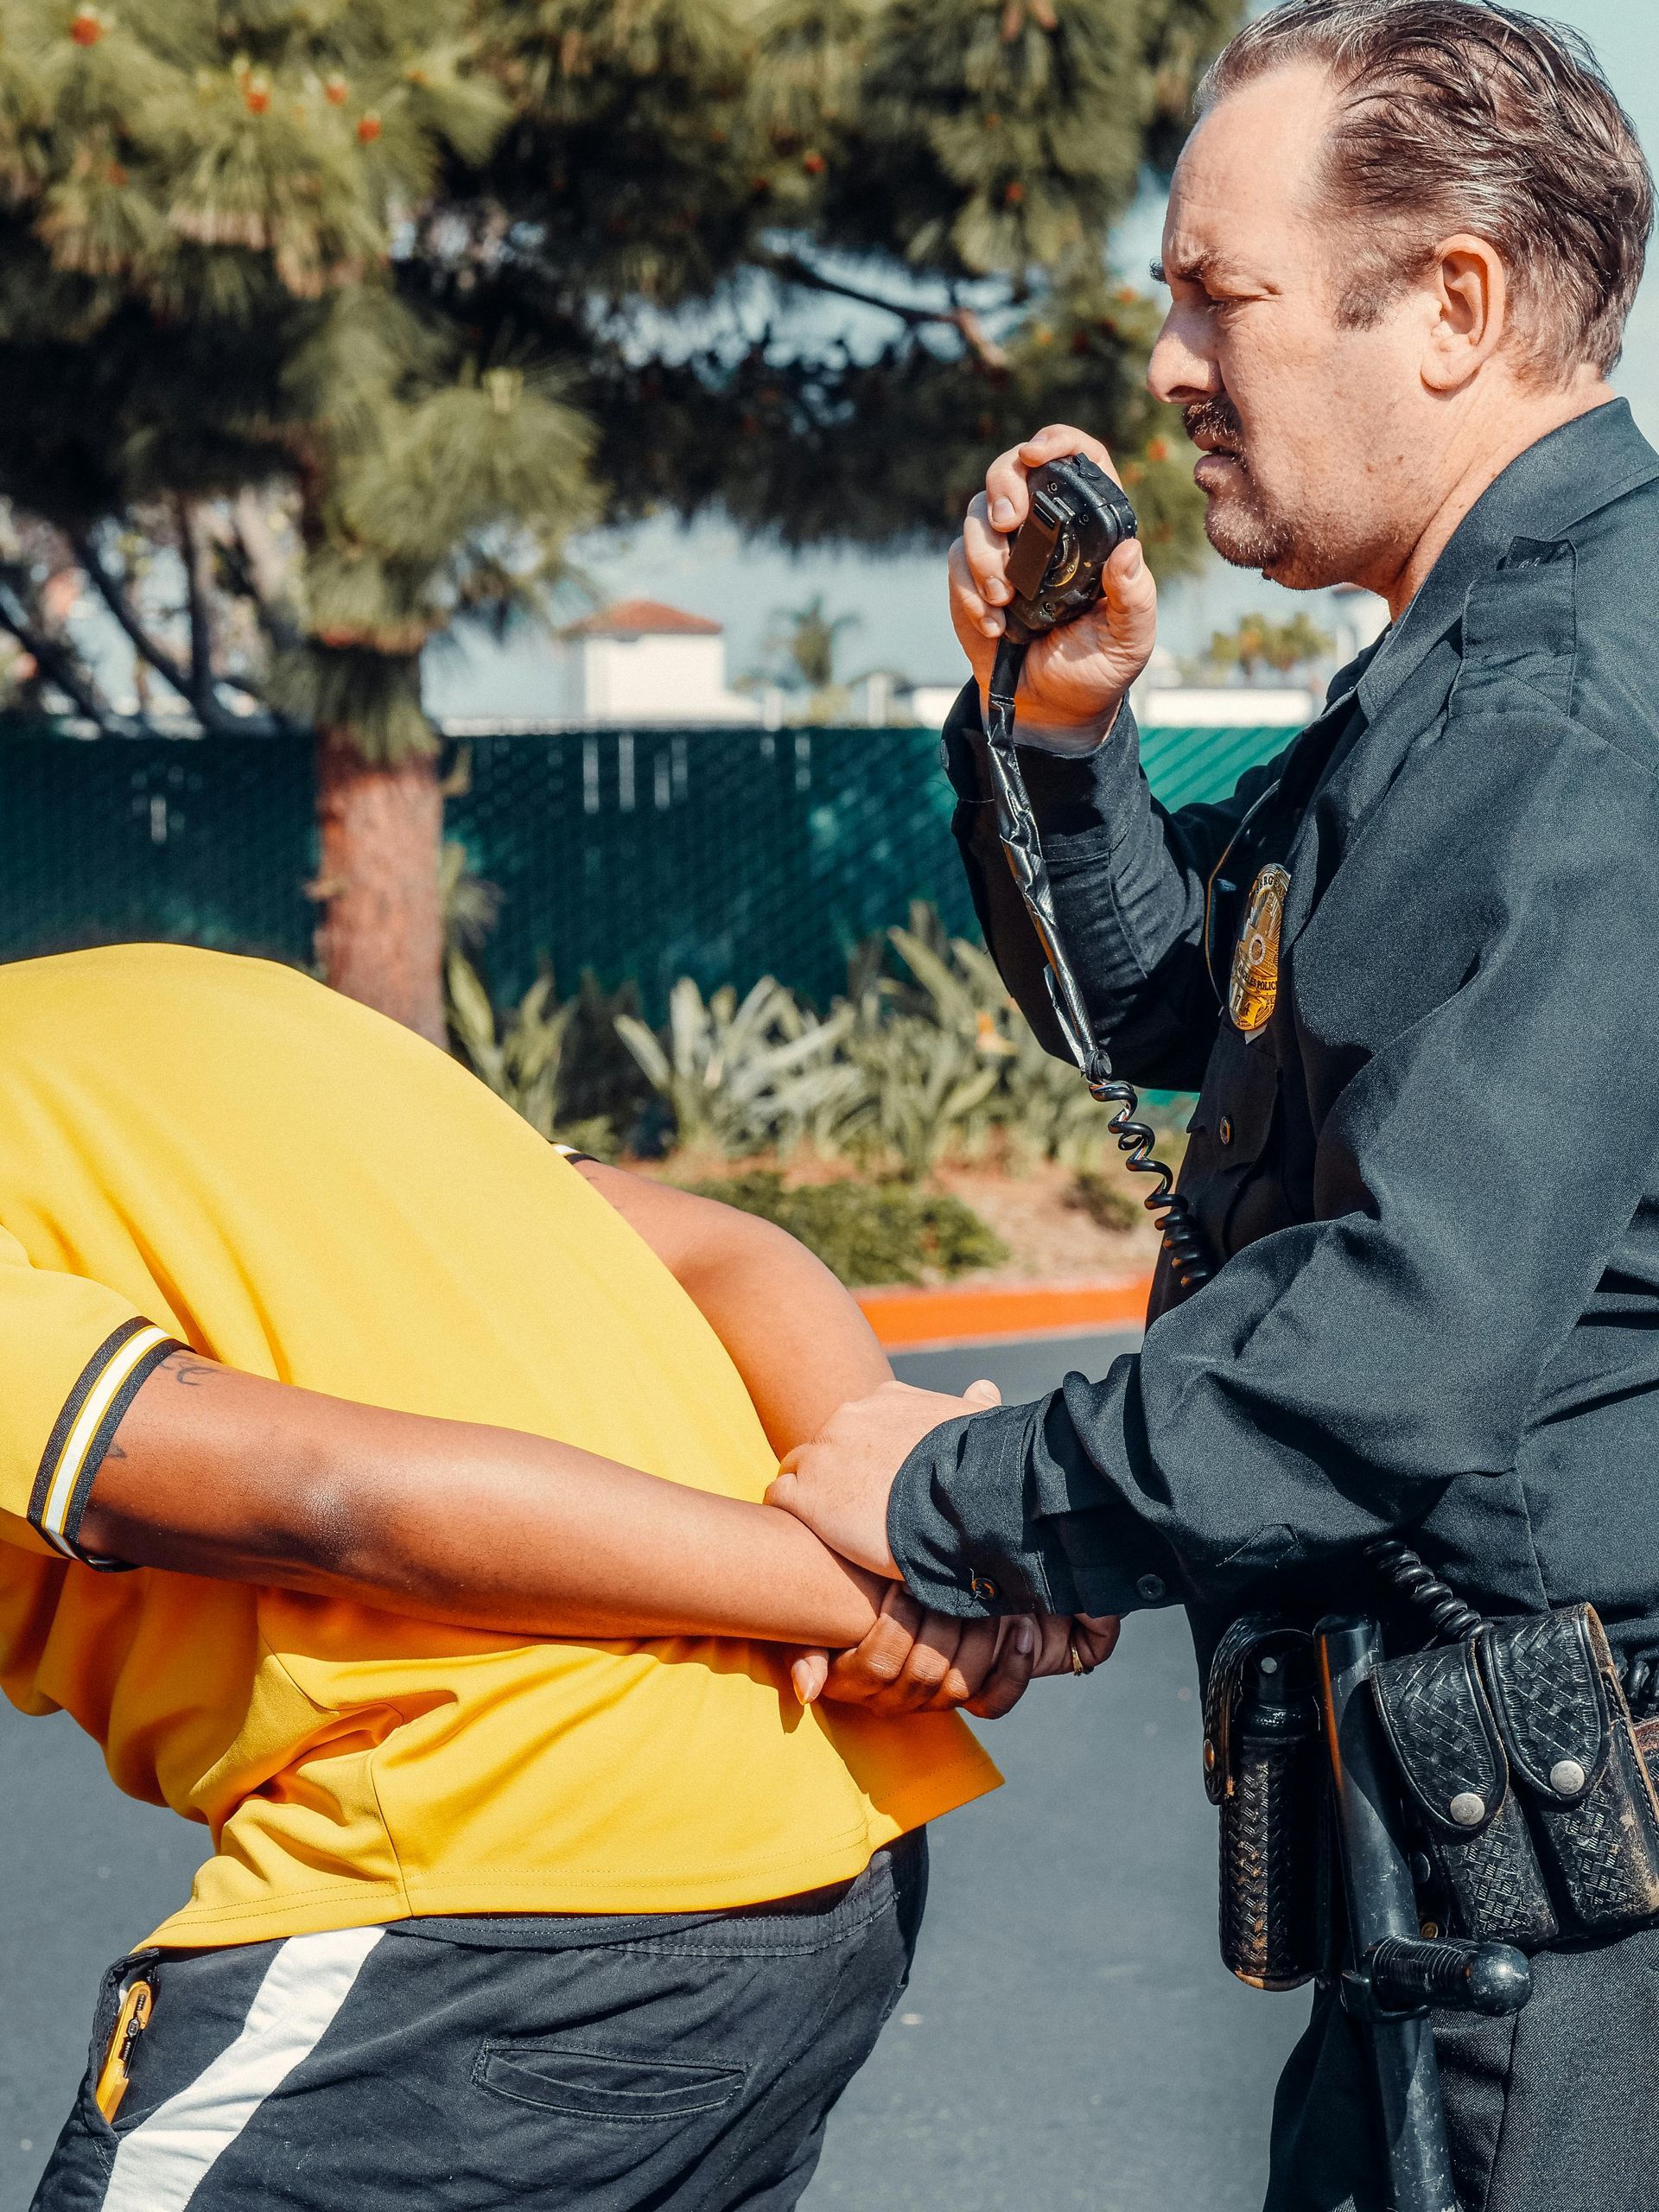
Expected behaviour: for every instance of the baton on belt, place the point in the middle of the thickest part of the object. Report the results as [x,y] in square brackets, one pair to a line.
[1394,1973]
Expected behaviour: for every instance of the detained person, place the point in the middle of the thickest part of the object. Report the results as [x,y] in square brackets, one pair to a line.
[1401,247]
[382,1489]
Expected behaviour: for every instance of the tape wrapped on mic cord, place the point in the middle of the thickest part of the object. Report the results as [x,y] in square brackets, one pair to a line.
[1521,1766]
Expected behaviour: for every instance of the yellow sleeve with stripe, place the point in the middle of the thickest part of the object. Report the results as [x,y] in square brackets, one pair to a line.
[73,1356]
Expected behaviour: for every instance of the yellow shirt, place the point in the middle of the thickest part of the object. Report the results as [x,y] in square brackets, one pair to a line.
[219,1151]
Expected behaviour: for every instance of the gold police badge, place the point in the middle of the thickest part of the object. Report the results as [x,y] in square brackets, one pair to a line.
[1254,985]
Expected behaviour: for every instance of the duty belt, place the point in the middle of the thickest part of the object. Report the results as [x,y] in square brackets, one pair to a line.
[1526,1789]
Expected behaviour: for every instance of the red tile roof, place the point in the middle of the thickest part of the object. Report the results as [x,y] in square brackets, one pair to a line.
[635,618]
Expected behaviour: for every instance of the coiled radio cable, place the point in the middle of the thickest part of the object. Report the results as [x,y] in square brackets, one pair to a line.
[1183,1241]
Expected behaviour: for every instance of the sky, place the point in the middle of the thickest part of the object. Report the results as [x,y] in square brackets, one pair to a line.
[899,602]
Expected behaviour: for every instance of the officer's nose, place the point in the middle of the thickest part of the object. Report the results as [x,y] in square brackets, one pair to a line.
[1182,369]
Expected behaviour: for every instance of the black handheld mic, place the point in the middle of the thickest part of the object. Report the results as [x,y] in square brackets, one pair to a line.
[1079,518]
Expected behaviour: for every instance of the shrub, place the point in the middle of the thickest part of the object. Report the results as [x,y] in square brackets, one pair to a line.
[867,1232]
[908,1069]
[1105,1197]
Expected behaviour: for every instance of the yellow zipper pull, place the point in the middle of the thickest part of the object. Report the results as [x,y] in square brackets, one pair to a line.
[130,2024]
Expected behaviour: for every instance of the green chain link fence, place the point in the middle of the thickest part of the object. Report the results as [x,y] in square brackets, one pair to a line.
[719,854]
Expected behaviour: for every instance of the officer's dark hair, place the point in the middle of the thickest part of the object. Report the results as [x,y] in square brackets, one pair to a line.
[1461,115]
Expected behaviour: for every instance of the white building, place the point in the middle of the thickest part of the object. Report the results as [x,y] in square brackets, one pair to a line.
[1223,706]
[641,662]
[1229,706]
[929,703]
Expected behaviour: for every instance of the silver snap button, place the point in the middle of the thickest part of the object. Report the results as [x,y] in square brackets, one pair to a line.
[1467,1809]
[1151,1587]
[1566,1777]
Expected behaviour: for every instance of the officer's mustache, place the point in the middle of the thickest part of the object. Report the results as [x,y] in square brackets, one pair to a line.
[1215,421]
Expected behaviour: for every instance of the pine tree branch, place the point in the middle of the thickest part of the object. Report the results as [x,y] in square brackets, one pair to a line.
[261,573]
[109,590]
[794,271]
[173,671]
[197,554]
[55,663]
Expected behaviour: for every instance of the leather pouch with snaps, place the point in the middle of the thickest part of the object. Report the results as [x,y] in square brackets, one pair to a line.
[1572,1745]
[1439,1722]
[1264,1768]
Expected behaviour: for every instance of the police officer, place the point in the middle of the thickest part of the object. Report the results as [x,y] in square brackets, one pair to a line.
[1412,968]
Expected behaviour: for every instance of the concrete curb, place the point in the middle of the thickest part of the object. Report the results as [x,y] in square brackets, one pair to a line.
[909,1320]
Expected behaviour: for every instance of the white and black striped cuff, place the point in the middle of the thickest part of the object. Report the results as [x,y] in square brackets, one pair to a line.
[81,1434]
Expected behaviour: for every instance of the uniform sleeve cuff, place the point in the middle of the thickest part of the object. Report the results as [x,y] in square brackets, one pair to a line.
[1002,1512]
[956,1520]
[1075,795]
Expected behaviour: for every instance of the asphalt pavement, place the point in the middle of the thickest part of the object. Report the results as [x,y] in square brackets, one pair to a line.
[1069,2037]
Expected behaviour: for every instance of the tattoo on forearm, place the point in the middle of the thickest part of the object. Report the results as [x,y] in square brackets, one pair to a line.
[192,1373]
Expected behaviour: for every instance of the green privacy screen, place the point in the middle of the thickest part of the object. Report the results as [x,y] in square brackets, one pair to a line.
[720,854]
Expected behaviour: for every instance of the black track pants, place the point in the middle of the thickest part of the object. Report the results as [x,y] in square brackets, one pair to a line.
[686,2063]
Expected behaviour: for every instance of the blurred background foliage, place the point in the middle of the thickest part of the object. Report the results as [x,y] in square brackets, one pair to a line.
[1256,641]
[834,1125]
[324,326]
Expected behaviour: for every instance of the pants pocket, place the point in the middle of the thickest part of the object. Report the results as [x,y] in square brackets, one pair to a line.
[571,2121]
[603,2085]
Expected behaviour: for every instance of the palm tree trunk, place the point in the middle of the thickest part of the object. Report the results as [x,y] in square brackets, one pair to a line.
[380,833]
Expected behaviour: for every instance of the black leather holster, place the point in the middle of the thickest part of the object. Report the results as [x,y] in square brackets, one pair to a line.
[1521,1764]
[1532,1814]
[1264,1767]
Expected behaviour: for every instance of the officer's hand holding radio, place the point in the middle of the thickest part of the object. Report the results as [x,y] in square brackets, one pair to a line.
[1076,676]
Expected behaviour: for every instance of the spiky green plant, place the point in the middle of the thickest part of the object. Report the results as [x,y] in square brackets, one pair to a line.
[925,1089]
[1039,1103]
[740,1076]
[520,1056]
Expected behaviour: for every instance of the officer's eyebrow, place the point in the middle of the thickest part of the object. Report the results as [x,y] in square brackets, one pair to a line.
[1189,265]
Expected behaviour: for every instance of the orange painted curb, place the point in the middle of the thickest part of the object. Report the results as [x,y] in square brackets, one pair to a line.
[903,1319]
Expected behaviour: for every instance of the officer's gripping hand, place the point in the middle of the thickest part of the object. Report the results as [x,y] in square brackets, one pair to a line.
[1075,677]
[913,1661]
[838,1482]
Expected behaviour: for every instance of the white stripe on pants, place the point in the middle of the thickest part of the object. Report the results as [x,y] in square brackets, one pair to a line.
[162,2164]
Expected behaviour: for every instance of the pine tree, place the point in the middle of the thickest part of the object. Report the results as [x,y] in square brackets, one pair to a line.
[345,315]
[201,296]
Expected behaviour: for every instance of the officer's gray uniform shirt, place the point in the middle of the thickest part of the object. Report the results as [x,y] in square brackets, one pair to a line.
[1434,1176]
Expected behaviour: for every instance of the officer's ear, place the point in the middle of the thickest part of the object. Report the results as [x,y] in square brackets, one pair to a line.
[1466,303]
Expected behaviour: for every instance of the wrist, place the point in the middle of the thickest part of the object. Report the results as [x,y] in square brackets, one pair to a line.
[1053,734]
[837,1603]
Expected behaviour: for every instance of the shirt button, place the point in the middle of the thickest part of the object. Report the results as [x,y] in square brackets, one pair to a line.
[1151,1587]
[1225,1132]
[982,1586]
